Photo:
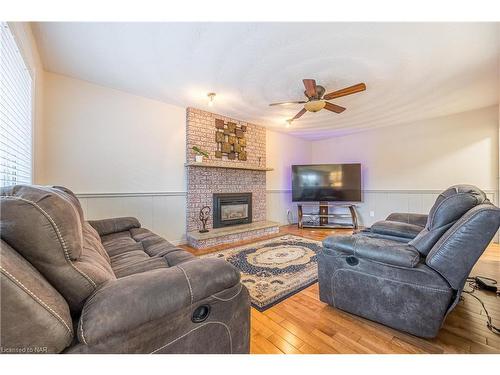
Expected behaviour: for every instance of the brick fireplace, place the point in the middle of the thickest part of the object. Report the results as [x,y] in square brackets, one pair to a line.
[221,177]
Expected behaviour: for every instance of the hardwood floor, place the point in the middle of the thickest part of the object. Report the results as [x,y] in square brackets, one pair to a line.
[302,324]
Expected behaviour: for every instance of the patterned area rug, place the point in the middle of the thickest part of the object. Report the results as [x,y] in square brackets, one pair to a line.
[274,269]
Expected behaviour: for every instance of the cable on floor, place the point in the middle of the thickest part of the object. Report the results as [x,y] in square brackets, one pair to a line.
[474,285]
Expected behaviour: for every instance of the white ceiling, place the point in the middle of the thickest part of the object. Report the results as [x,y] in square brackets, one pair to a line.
[412,71]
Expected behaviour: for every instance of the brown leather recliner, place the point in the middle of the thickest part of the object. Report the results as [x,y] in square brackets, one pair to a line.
[108,286]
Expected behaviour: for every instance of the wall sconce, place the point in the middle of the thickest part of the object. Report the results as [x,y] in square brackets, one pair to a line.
[211,99]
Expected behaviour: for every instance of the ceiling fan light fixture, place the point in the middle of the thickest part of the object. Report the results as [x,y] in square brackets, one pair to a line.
[315,105]
[211,99]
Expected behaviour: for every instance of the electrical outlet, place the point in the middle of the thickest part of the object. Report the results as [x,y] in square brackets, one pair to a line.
[372,213]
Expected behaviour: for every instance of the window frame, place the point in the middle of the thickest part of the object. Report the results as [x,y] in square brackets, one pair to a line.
[21,38]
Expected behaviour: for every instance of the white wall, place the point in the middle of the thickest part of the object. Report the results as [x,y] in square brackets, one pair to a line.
[404,167]
[282,151]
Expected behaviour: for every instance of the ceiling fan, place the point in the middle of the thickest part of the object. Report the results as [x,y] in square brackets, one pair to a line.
[317,99]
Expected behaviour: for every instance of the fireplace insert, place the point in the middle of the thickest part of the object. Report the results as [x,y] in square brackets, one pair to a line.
[232,209]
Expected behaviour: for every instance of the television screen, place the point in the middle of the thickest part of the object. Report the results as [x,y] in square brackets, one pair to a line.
[326,183]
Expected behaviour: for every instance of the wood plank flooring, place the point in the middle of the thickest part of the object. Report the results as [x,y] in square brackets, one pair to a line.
[302,324]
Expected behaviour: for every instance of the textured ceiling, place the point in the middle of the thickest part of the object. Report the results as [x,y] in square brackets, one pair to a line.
[412,71]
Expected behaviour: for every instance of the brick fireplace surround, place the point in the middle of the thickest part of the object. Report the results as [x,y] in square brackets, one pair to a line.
[203,182]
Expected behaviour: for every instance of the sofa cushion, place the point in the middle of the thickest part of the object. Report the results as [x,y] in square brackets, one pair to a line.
[448,208]
[114,225]
[155,245]
[46,211]
[456,252]
[452,203]
[34,315]
[396,229]
[409,218]
[374,249]
[139,250]
[71,197]
[153,295]
[44,225]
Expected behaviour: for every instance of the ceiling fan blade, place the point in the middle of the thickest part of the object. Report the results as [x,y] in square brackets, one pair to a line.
[286,103]
[346,91]
[301,112]
[334,107]
[310,85]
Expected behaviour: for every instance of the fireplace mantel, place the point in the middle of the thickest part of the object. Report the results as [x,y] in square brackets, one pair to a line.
[229,166]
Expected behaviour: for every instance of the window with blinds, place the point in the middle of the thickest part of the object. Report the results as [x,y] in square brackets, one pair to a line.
[15,113]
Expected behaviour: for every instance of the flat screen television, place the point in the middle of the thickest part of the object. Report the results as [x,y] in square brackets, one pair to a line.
[326,183]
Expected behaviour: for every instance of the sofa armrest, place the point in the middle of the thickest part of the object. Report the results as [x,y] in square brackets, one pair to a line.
[396,229]
[114,225]
[409,218]
[127,303]
[375,249]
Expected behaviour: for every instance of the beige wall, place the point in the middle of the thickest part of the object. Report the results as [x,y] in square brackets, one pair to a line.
[426,155]
[405,167]
[27,45]
[282,151]
[103,140]
[124,155]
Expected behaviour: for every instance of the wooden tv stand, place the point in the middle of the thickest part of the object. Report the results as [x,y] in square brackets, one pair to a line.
[322,215]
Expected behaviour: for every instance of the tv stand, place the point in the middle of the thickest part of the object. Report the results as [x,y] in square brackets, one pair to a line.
[323,215]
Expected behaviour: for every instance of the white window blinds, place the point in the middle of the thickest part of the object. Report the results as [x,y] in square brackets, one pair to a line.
[15,113]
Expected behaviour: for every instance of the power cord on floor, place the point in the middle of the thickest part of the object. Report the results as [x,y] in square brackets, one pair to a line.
[483,283]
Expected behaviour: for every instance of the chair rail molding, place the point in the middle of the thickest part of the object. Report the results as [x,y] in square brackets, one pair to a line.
[164,211]
[375,205]
[133,194]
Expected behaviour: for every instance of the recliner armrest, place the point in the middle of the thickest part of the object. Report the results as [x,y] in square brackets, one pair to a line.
[409,218]
[127,303]
[114,225]
[375,249]
[396,229]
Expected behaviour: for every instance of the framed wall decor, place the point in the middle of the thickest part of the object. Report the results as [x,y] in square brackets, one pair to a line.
[230,139]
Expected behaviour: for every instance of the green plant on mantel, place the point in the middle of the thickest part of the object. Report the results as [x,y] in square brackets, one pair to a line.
[200,152]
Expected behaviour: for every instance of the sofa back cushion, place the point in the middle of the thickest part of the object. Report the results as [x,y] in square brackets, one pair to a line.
[71,197]
[44,225]
[34,316]
[456,252]
[450,206]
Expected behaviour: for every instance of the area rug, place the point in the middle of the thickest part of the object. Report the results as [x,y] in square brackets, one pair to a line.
[274,269]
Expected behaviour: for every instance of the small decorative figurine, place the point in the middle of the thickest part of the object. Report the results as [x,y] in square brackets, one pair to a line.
[204,215]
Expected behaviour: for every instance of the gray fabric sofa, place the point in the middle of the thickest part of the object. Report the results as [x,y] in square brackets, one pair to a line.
[408,271]
[108,286]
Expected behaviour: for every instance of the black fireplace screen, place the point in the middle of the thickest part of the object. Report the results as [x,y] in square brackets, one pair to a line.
[232,209]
